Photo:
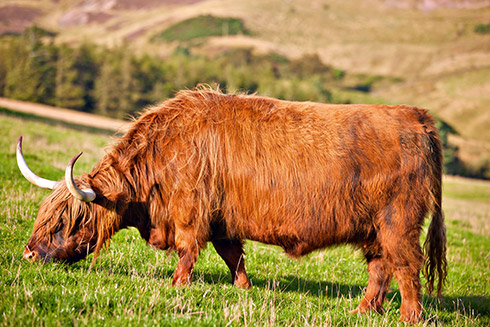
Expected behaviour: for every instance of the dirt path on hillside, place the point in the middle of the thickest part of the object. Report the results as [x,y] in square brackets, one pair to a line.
[66,115]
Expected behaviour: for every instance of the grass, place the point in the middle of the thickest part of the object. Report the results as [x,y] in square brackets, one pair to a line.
[130,284]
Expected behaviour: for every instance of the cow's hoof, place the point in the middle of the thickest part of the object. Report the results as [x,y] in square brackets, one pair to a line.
[411,314]
[366,306]
[181,281]
[242,282]
[411,318]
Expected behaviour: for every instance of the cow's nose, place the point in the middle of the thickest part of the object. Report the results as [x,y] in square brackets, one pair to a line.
[30,255]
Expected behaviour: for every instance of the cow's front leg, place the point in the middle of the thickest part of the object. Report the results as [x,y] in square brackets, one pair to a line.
[188,248]
[232,253]
[183,273]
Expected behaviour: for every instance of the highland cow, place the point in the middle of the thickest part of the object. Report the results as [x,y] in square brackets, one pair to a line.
[222,168]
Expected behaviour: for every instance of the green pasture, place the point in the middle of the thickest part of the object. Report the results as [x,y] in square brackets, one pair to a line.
[130,284]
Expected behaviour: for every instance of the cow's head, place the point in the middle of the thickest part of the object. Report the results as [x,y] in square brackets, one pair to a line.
[66,227]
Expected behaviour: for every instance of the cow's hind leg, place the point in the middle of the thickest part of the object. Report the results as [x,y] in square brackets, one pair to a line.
[232,253]
[400,240]
[380,275]
[406,267]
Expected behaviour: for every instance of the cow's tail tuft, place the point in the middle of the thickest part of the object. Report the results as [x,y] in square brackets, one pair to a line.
[435,243]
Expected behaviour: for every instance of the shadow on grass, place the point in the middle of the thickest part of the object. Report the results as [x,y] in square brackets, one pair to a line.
[469,305]
[290,283]
[55,122]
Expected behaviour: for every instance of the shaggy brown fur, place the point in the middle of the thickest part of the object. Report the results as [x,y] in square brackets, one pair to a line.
[209,167]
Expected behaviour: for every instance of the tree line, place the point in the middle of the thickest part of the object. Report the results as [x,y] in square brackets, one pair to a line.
[116,83]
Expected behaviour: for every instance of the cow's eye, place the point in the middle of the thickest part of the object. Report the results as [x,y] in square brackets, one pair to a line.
[58,228]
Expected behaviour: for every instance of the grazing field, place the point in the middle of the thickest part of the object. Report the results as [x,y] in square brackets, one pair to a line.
[130,283]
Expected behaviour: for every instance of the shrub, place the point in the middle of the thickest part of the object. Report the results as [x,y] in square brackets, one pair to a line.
[482,29]
[203,26]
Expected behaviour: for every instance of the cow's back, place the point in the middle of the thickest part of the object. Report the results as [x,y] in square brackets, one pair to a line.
[308,175]
[297,174]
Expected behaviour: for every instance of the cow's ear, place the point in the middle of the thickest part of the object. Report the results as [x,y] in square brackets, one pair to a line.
[115,200]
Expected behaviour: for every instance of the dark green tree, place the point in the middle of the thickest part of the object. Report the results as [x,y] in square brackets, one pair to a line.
[452,163]
[116,90]
[29,67]
[87,65]
[68,92]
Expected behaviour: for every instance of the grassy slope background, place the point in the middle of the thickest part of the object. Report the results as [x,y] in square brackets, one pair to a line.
[130,284]
[443,65]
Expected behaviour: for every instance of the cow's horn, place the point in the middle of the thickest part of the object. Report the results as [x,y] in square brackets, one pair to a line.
[28,174]
[86,195]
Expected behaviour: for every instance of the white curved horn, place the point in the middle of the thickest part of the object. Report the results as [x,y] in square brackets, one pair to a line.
[86,195]
[28,174]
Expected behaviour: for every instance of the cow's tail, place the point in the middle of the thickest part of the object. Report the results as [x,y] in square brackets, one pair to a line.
[435,244]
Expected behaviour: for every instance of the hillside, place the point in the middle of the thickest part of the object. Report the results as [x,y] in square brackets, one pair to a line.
[430,48]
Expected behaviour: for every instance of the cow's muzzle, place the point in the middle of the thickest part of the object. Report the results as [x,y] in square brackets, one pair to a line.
[35,255]
[30,255]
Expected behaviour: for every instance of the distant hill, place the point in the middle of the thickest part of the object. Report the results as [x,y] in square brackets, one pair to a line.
[437,51]
[427,5]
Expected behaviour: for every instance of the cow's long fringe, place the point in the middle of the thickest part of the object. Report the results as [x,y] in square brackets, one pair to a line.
[66,217]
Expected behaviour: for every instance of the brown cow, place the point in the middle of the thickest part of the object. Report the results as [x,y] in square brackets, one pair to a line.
[210,167]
